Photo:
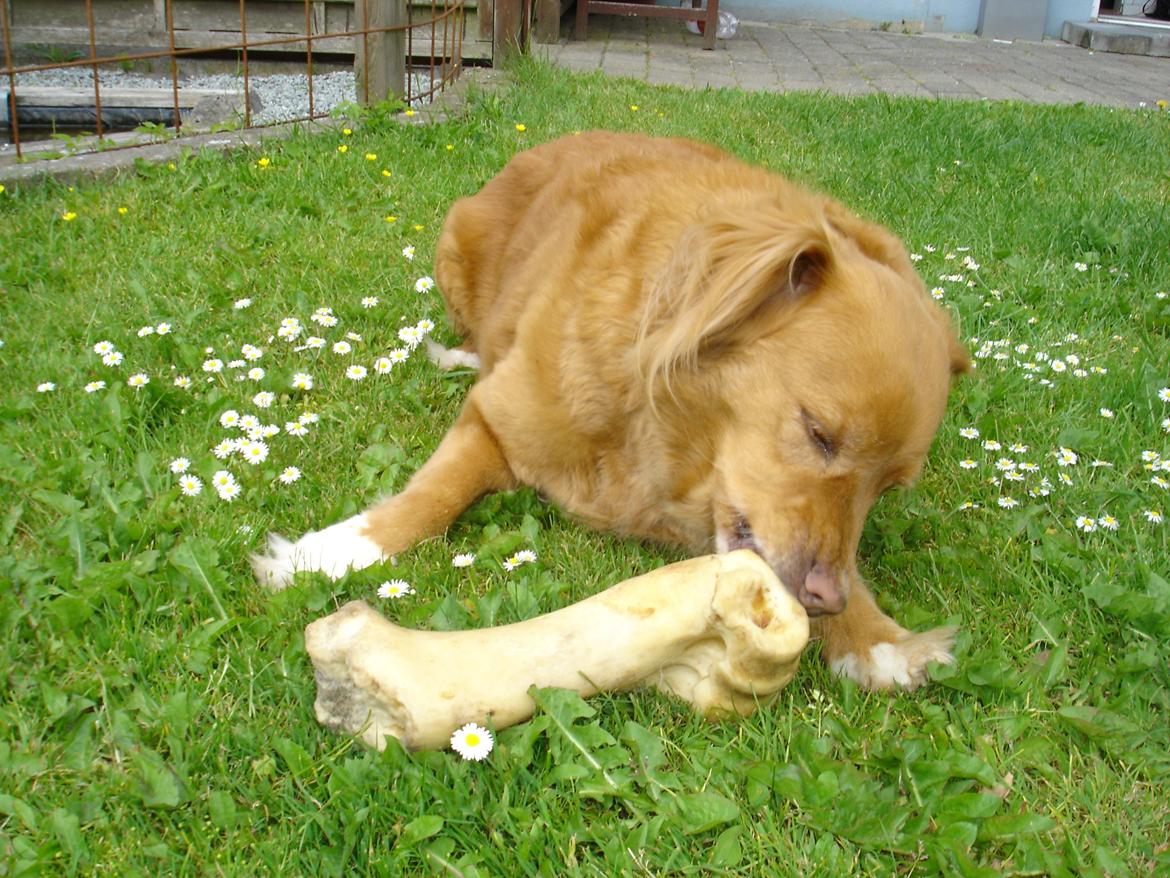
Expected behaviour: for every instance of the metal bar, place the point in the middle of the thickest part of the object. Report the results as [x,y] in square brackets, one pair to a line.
[309,53]
[14,125]
[174,64]
[244,59]
[97,88]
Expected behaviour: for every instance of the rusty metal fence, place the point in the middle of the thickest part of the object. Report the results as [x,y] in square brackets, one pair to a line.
[395,44]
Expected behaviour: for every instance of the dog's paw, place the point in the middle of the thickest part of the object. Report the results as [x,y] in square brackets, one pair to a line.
[900,664]
[332,551]
[451,358]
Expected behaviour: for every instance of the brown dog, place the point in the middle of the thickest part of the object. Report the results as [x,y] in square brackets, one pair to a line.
[678,346]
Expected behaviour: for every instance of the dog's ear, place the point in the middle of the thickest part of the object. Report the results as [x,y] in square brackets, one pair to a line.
[729,280]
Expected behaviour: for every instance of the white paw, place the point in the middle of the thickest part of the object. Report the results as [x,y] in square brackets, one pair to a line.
[332,551]
[447,358]
[901,664]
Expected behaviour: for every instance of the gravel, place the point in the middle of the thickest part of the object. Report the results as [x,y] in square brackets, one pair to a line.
[282,96]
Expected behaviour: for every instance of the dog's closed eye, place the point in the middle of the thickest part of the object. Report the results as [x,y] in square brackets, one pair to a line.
[828,445]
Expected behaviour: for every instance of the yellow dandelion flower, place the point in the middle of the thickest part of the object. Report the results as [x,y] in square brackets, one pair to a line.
[343,148]
[520,126]
[385,173]
[264,162]
[69,216]
[633,108]
[450,146]
[417,227]
[347,131]
[123,210]
[408,113]
[171,166]
[391,219]
[1161,104]
[371,156]
[1,188]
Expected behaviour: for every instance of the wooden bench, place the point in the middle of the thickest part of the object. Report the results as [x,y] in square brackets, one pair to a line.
[708,16]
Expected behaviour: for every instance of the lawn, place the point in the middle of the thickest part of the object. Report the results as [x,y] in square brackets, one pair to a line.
[156,704]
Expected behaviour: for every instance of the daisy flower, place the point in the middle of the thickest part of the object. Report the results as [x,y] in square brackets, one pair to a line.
[342,347]
[95,386]
[1080,266]
[355,372]
[328,320]
[1066,457]
[163,329]
[398,355]
[103,347]
[426,284]
[289,475]
[289,331]
[224,449]
[382,365]
[113,358]
[425,325]
[1014,476]
[229,492]
[1166,425]
[190,485]
[315,342]
[241,304]
[1154,516]
[180,465]
[1106,413]
[1029,467]
[510,564]
[937,293]
[222,479]
[296,428]
[1164,394]
[395,588]
[249,422]
[268,431]
[1065,479]
[1008,502]
[408,251]
[213,365]
[465,559]
[991,445]
[1018,448]
[1108,522]
[182,381]
[1005,464]
[472,742]
[369,301]
[255,373]
[1085,523]
[145,331]
[525,556]
[969,433]
[46,387]
[254,451]
[138,379]
[968,505]
[251,352]
[967,464]
[264,399]
[309,417]
[302,381]
[1150,456]
[1057,366]
[410,335]
[230,418]
[1160,482]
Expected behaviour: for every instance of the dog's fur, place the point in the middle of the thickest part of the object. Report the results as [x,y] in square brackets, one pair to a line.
[679,346]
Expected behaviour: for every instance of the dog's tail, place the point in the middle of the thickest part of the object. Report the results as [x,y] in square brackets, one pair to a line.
[451,358]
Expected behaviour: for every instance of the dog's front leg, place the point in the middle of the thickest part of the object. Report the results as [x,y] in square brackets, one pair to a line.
[467,464]
[866,645]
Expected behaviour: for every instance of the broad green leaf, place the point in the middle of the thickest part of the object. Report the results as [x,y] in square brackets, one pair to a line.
[197,558]
[221,808]
[727,851]
[299,763]
[159,784]
[17,808]
[698,812]
[585,741]
[420,828]
[451,615]
[67,828]
[1009,826]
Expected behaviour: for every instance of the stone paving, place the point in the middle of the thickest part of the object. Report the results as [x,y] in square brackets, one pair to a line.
[798,57]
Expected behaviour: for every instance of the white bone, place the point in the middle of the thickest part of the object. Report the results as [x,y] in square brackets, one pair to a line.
[720,632]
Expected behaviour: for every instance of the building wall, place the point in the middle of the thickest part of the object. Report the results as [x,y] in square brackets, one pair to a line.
[933,16]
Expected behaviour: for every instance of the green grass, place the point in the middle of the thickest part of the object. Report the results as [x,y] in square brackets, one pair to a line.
[156,705]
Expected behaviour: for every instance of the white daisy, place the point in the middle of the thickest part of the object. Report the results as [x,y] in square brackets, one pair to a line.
[289,475]
[1066,457]
[383,365]
[251,352]
[241,304]
[264,399]
[182,381]
[472,742]
[302,381]
[229,492]
[95,386]
[138,380]
[213,365]
[309,417]
[1108,522]
[103,348]
[248,422]
[1008,502]
[1154,516]
[296,428]
[1106,413]
[425,325]
[410,335]
[256,373]
[369,301]
[145,331]
[46,387]
[180,465]
[1086,523]
[969,433]
[967,464]
[315,342]
[113,358]
[408,251]
[254,451]
[222,478]
[342,347]
[1164,394]
[465,559]
[424,284]
[355,373]
[163,329]
[190,485]
[395,588]
[230,418]
[398,355]
[991,445]
[224,448]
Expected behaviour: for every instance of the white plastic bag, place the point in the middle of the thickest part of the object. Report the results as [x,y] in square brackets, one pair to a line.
[728,25]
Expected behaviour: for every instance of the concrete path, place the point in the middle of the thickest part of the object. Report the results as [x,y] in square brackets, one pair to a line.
[781,57]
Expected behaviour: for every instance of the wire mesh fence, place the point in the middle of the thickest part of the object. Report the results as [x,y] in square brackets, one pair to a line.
[288,60]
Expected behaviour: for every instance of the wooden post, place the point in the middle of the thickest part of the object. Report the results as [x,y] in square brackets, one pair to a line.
[379,59]
[507,32]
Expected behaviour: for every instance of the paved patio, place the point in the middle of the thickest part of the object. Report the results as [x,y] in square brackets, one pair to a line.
[784,57]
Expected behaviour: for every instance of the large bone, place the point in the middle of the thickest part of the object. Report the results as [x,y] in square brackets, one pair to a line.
[719,631]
